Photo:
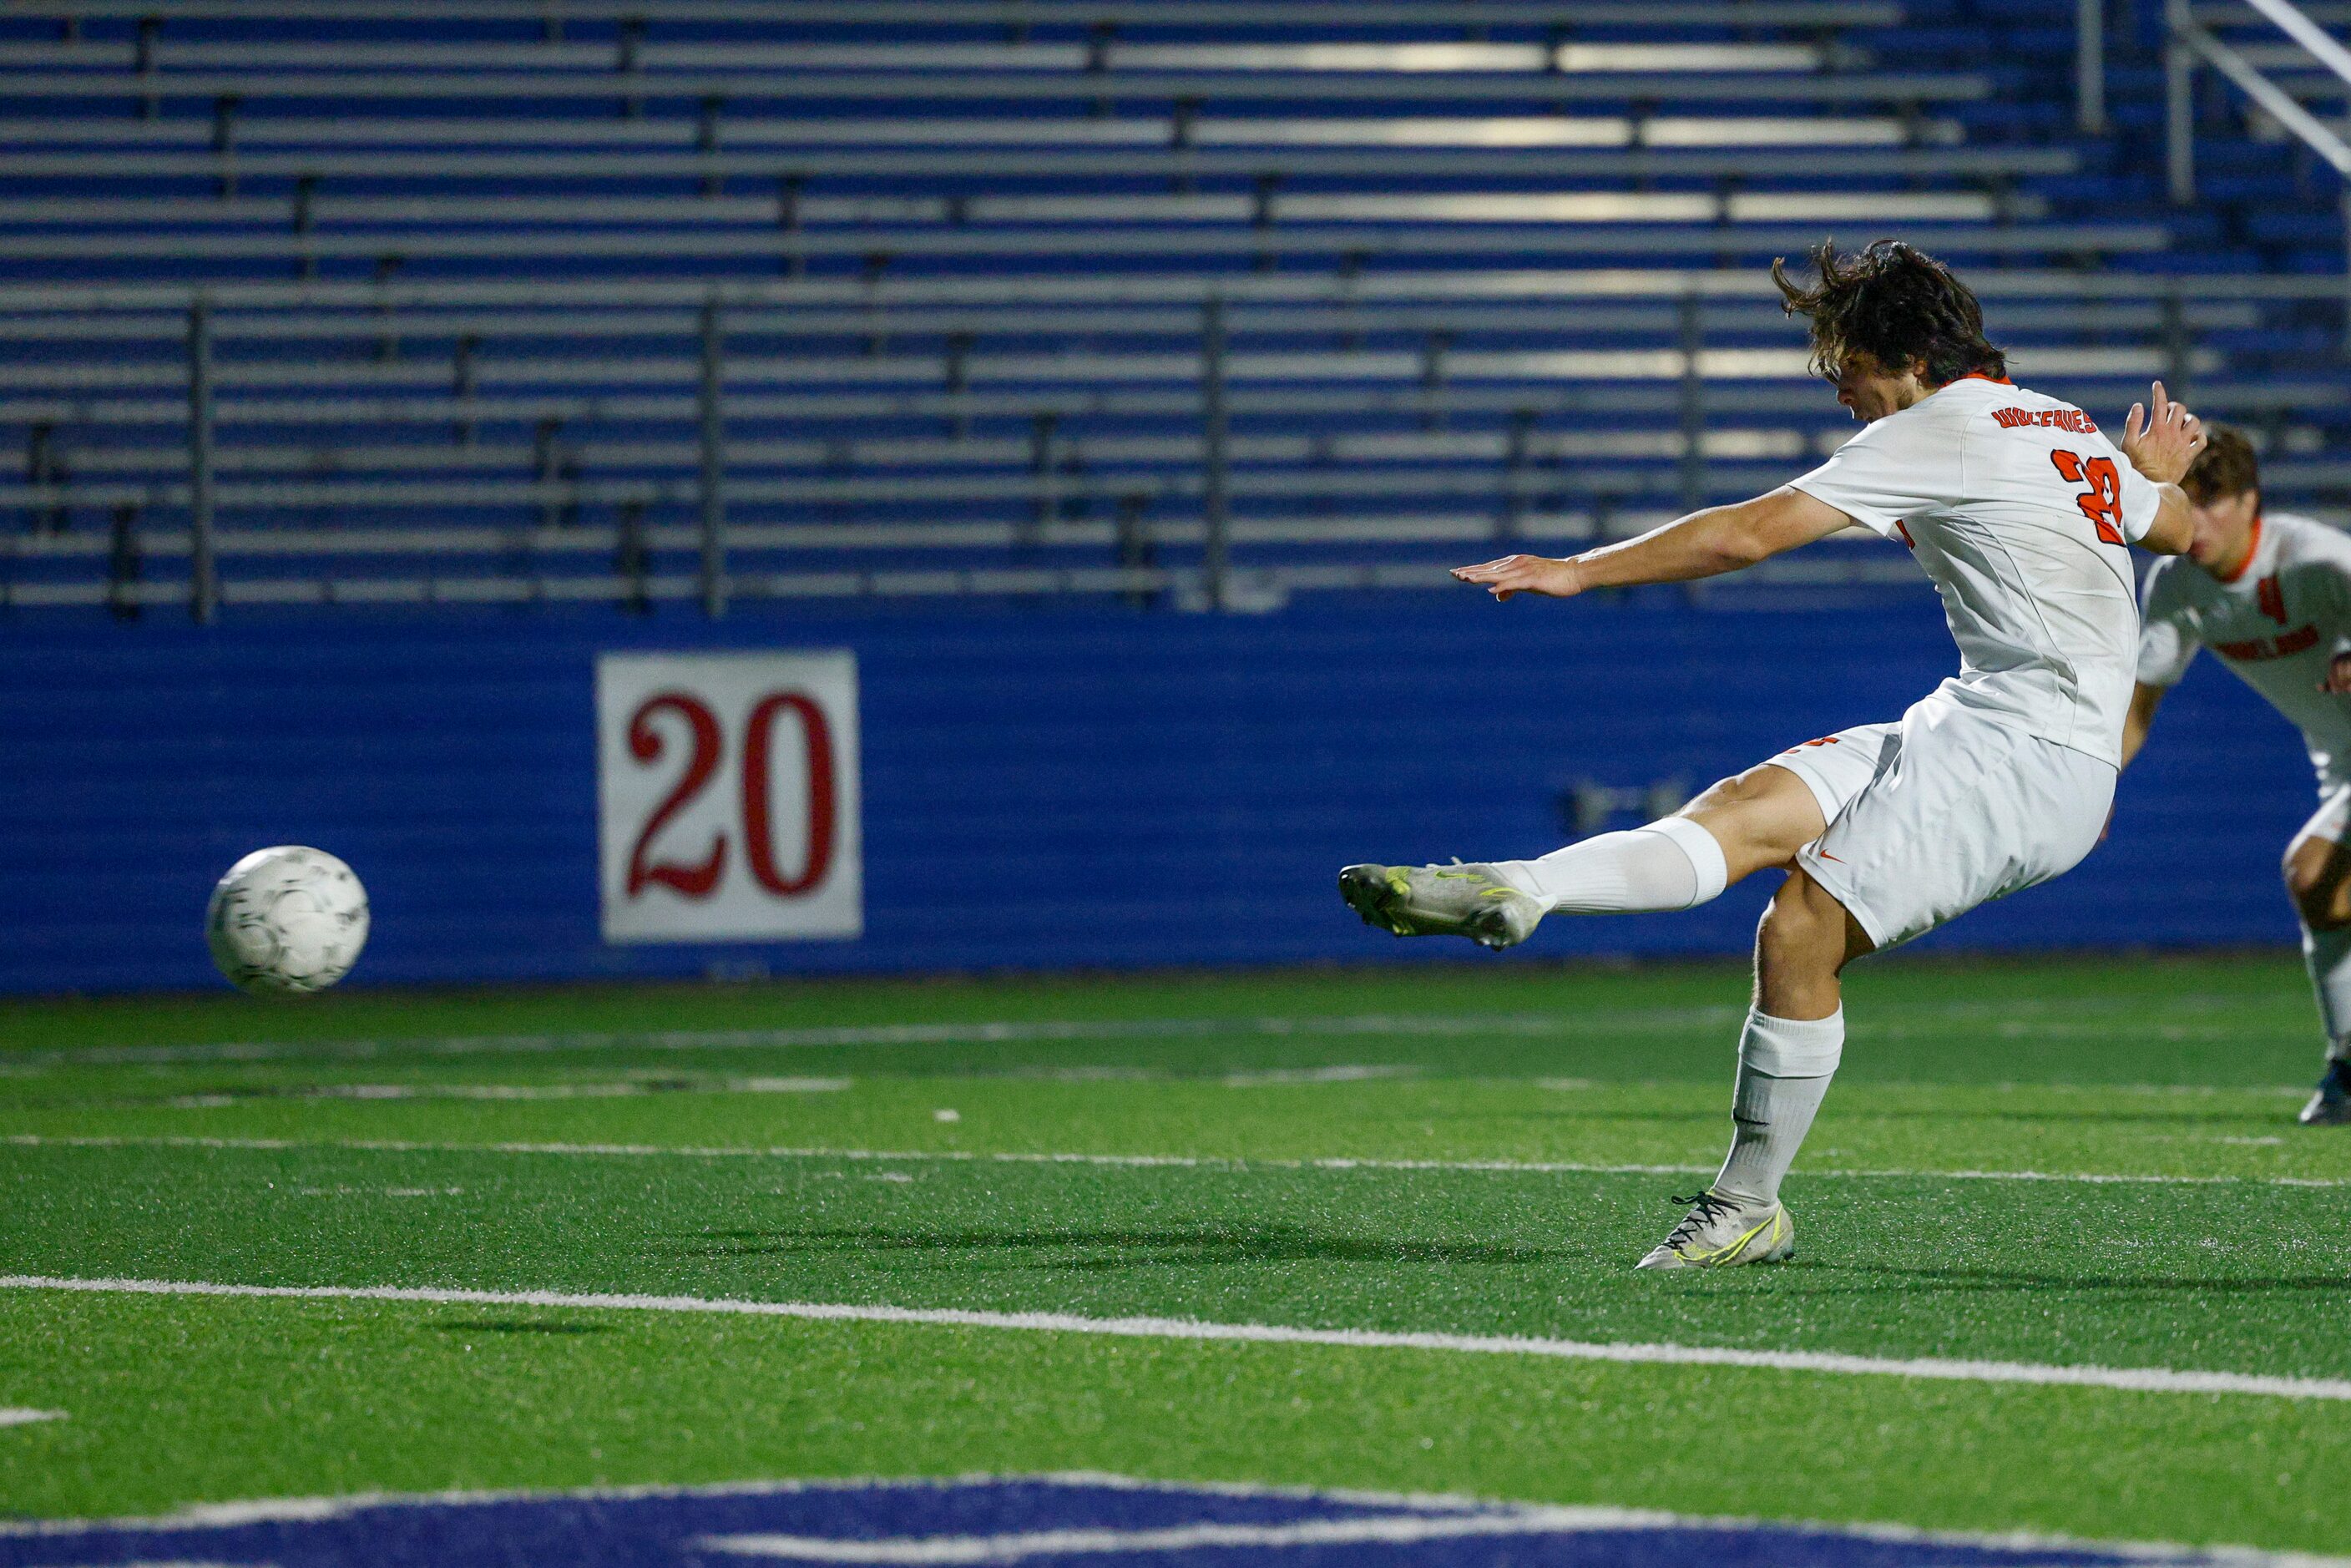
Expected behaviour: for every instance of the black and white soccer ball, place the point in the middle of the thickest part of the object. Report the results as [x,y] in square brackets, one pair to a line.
[286,920]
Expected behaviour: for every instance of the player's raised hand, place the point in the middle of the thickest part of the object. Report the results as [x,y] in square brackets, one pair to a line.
[1524,574]
[2338,676]
[2162,439]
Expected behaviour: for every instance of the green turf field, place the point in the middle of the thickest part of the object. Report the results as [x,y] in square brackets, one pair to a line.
[2053,1165]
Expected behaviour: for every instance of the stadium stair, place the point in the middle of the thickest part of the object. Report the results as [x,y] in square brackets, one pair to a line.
[1017,298]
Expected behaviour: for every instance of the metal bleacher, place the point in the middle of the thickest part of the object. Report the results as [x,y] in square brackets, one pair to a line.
[1195,303]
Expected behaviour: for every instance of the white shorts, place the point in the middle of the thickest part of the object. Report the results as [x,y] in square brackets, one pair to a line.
[1934,815]
[2332,816]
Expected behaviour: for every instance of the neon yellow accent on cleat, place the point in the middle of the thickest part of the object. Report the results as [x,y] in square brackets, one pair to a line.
[1732,1248]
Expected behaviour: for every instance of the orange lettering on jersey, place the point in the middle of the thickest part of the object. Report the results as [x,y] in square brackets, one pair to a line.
[2072,419]
[2271,598]
[1825,740]
[2301,640]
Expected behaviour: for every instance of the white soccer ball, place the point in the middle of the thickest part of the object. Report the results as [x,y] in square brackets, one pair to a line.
[286,920]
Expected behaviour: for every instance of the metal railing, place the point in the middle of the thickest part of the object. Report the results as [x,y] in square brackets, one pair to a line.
[476,434]
[1019,17]
[2189,43]
[2090,66]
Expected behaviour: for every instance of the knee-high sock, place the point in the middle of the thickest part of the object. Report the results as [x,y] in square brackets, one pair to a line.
[1784,1068]
[1671,863]
[2328,955]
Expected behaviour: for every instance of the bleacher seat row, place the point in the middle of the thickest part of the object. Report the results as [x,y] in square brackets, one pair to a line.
[1192,302]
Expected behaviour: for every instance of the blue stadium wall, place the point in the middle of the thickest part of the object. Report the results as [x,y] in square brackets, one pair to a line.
[1044,787]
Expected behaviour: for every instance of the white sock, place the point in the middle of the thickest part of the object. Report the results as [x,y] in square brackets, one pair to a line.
[1784,1068]
[1672,863]
[2328,955]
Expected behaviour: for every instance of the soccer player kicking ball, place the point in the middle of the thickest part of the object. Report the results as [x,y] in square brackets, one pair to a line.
[2024,514]
[2270,593]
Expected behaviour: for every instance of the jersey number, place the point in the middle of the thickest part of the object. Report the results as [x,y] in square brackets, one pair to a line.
[2102,503]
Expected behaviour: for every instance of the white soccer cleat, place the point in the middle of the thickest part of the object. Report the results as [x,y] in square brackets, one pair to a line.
[1722,1232]
[1455,900]
[2330,1103]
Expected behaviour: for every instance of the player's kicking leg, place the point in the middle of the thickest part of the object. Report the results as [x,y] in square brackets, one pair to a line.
[2318,880]
[1742,825]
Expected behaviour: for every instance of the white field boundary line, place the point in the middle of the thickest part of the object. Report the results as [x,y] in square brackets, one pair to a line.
[2136,1380]
[1457,1516]
[22,1418]
[1396,1530]
[1391,1530]
[1179,1162]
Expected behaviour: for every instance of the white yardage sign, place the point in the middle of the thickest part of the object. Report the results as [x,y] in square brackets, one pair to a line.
[727,795]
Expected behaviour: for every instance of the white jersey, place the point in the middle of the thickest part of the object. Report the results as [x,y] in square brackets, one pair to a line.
[2278,623]
[2024,514]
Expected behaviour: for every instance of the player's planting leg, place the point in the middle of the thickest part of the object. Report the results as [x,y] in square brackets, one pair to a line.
[1784,1068]
[1787,1054]
[1762,817]
[2328,953]
[2319,878]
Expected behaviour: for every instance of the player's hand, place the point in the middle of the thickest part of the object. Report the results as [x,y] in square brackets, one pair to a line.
[2338,676]
[2162,440]
[1524,574]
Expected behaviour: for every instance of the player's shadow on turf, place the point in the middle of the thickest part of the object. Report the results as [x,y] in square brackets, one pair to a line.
[1133,1248]
[518,1325]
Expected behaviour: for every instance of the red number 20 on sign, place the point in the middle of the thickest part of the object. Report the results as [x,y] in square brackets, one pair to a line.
[699,878]
[728,796]
[2102,503]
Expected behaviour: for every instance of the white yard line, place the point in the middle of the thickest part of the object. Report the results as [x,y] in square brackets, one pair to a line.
[20,1417]
[1349,1073]
[1185,1162]
[921,1550]
[1891,1023]
[2136,1380]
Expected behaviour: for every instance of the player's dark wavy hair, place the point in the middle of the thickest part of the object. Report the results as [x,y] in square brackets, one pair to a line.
[2226,466]
[1895,303]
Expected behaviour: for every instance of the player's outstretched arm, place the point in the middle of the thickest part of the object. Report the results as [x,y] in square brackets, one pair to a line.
[1703,544]
[2161,439]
